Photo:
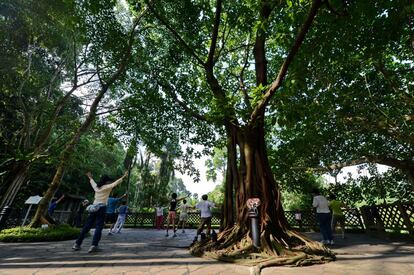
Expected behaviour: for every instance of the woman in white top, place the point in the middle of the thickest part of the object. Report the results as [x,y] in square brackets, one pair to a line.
[323,215]
[102,190]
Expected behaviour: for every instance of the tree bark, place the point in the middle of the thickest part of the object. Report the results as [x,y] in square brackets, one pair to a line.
[256,181]
[230,180]
[278,243]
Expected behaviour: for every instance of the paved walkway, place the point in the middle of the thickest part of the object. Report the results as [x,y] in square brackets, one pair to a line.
[146,252]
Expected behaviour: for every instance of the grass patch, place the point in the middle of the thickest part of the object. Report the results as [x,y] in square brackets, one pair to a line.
[25,234]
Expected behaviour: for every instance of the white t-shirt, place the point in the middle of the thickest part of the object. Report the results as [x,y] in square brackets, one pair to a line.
[184,208]
[321,204]
[160,211]
[205,208]
[102,193]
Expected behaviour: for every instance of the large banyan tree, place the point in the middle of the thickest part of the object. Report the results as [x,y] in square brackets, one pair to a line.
[213,60]
[220,64]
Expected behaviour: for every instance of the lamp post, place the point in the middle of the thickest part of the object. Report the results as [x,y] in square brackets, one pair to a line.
[253,214]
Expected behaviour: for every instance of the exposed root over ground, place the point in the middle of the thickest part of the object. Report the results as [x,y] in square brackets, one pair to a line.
[293,250]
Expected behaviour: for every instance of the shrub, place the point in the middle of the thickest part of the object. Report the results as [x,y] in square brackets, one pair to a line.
[26,234]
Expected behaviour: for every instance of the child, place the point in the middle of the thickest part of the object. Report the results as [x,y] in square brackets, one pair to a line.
[183,214]
[205,211]
[159,220]
[122,212]
[172,213]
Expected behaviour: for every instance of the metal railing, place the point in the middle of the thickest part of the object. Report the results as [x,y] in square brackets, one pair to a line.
[397,217]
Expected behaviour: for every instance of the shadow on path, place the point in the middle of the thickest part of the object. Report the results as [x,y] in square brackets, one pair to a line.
[143,251]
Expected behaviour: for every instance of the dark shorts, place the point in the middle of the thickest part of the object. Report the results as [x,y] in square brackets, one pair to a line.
[111,217]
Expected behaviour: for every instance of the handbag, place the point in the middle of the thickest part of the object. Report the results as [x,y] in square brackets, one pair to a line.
[93,208]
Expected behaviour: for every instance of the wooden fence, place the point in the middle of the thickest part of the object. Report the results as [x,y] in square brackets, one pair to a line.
[380,218]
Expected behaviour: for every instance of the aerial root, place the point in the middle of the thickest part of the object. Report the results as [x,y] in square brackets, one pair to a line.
[235,247]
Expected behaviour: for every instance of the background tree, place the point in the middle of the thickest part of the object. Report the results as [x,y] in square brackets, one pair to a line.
[36,64]
[201,72]
[355,105]
[113,70]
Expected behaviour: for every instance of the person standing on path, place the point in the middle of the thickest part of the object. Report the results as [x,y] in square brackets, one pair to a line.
[183,214]
[323,215]
[122,212]
[97,211]
[205,207]
[159,217]
[337,214]
[172,213]
[111,216]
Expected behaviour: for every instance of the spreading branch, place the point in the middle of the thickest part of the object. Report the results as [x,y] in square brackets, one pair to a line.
[284,68]
[182,104]
[384,160]
[177,36]
[214,36]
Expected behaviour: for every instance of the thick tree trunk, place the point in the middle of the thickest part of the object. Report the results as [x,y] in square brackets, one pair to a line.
[256,181]
[231,180]
[279,245]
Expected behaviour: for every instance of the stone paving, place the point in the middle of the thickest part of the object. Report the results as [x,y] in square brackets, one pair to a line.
[148,251]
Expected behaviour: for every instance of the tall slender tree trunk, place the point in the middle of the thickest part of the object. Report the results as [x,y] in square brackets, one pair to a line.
[256,181]
[18,177]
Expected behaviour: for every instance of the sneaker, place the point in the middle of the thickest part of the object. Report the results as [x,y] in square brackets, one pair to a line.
[175,235]
[76,247]
[324,242]
[166,235]
[183,231]
[93,248]
[109,233]
[331,242]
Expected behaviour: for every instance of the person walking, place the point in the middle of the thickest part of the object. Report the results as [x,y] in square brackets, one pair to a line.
[97,210]
[323,215]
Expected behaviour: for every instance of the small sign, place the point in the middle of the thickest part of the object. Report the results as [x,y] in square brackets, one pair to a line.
[33,200]
[253,202]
